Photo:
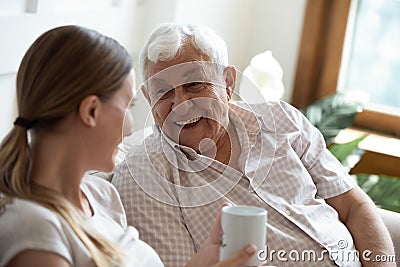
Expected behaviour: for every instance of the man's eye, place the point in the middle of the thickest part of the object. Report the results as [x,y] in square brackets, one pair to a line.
[194,86]
[133,102]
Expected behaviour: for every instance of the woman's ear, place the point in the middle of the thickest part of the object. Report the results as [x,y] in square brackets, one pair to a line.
[230,80]
[89,110]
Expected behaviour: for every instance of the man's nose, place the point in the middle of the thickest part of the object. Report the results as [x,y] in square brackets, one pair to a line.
[182,102]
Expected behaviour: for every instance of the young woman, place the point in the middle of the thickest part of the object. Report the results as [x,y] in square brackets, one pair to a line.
[74,87]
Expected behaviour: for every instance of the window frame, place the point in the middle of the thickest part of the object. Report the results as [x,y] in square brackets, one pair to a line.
[319,60]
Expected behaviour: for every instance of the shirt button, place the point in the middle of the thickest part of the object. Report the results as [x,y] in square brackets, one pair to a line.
[287,212]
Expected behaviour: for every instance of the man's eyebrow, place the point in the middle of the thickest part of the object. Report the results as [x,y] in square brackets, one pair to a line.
[159,79]
[156,79]
[189,72]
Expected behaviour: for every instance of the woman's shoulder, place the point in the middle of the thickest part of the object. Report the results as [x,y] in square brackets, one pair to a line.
[20,212]
[27,225]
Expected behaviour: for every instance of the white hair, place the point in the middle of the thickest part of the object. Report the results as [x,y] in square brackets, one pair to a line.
[166,41]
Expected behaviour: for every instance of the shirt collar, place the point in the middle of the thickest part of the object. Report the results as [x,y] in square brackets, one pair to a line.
[249,115]
[188,151]
[248,118]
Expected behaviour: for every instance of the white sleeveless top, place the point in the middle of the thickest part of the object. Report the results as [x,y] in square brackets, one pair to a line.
[26,225]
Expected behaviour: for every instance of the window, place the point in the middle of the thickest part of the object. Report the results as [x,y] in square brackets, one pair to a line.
[371,56]
[361,49]
[370,69]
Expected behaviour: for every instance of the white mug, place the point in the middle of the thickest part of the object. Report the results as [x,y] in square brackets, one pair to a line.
[242,226]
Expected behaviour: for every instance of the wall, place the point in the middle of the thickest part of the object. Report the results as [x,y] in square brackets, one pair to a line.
[22,21]
[249,27]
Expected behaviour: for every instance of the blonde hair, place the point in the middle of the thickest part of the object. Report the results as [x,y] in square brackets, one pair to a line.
[61,68]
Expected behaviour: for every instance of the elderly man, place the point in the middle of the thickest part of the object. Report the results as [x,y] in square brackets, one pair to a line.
[205,150]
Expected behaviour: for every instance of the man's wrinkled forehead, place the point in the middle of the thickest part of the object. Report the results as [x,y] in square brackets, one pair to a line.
[194,71]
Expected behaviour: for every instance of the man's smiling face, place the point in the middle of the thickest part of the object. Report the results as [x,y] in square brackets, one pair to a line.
[188,97]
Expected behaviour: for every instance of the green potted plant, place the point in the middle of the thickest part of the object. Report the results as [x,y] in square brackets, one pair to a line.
[333,114]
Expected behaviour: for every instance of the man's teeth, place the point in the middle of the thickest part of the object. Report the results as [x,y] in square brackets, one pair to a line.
[188,121]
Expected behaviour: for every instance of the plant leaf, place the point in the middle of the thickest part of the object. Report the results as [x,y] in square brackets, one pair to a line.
[383,190]
[342,151]
[332,114]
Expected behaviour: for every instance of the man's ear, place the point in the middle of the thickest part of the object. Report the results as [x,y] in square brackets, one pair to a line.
[230,80]
[89,110]
[146,94]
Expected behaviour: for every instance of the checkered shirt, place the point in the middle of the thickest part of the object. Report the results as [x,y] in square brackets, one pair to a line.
[172,195]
